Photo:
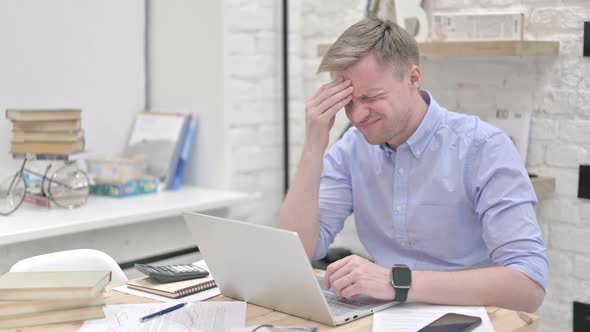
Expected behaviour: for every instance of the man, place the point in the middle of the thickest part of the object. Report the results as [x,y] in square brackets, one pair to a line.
[442,201]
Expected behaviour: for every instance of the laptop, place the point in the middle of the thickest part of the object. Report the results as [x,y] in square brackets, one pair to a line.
[269,267]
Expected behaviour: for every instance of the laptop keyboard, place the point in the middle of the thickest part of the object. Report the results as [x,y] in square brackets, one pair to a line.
[333,298]
[339,305]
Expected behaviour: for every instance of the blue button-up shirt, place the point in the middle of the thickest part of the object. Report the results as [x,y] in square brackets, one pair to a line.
[455,196]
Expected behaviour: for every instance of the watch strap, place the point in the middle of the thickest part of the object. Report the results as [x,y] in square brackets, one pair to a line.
[401,294]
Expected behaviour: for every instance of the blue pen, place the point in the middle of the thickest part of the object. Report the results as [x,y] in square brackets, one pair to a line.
[161,312]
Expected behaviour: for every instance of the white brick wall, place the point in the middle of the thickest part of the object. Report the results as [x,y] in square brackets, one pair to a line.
[254,121]
[556,89]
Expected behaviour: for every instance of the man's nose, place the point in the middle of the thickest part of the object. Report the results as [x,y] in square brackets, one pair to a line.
[357,112]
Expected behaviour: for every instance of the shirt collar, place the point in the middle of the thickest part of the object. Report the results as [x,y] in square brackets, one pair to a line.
[425,131]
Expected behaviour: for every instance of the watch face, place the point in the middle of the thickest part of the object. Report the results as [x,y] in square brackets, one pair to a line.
[402,276]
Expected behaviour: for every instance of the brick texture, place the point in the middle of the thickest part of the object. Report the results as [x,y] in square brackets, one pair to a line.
[254,117]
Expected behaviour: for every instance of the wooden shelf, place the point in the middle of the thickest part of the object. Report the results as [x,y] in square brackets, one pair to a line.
[482,48]
[543,184]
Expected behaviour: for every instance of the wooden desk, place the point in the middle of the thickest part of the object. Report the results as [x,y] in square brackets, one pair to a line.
[503,320]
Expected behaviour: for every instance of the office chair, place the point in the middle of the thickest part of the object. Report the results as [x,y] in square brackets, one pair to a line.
[72,260]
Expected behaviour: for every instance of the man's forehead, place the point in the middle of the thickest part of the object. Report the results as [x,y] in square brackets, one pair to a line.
[367,80]
[363,86]
[369,92]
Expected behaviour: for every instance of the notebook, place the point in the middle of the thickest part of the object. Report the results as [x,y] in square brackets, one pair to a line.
[174,289]
[51,317]
[19,286]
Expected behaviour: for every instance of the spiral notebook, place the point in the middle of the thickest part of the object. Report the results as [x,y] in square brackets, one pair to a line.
[173,289]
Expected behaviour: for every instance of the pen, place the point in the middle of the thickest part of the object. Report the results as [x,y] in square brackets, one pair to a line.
[161,312]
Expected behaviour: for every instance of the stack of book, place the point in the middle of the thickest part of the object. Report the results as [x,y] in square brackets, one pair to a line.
[39,298]
[46,131]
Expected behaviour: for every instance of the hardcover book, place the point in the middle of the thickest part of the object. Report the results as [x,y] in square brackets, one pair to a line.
[43,114]
[52,317]
[18,286]
[46,126]
[47,147]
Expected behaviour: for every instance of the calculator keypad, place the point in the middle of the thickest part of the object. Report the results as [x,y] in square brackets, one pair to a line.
[170,273]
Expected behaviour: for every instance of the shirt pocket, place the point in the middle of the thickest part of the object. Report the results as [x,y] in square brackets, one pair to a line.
[445,233]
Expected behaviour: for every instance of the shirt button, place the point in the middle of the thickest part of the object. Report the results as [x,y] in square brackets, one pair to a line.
[398,209]
[401,171]
[404,243]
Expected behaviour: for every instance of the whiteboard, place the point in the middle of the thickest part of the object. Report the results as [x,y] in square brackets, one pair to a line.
[86,54]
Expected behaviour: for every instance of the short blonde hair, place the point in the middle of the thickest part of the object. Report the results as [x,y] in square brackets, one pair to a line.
[390,42]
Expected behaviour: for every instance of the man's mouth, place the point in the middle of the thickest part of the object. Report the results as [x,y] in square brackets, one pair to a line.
[367,124]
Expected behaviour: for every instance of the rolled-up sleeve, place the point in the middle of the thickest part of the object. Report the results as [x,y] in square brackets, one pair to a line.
[504,201]
[335,198]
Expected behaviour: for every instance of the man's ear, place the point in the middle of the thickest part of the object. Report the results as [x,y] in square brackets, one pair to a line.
[415,77]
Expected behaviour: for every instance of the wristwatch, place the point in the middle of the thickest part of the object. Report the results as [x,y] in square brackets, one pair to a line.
[401,280]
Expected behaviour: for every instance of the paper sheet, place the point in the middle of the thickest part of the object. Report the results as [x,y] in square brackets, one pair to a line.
[410,317]
[201,296]
[199,316]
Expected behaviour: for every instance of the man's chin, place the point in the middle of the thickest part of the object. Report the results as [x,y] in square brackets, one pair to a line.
[373,140]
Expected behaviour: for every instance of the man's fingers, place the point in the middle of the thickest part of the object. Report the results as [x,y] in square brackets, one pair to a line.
[333,268]
[350,291]
[331,112]
[335,82]
[338,270]
[333,100]
[338,284]
[328,92]
[337,265]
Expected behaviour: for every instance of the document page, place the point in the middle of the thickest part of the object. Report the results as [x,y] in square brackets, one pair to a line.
[410,317]
[199,316]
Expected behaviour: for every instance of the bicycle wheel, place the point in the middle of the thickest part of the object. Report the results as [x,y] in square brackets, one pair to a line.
[12,193]
[68,187]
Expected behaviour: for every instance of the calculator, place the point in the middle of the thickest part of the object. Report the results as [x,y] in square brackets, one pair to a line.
[172,273]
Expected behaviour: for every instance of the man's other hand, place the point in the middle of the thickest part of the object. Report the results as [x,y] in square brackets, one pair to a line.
[354,276]
[320,112]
